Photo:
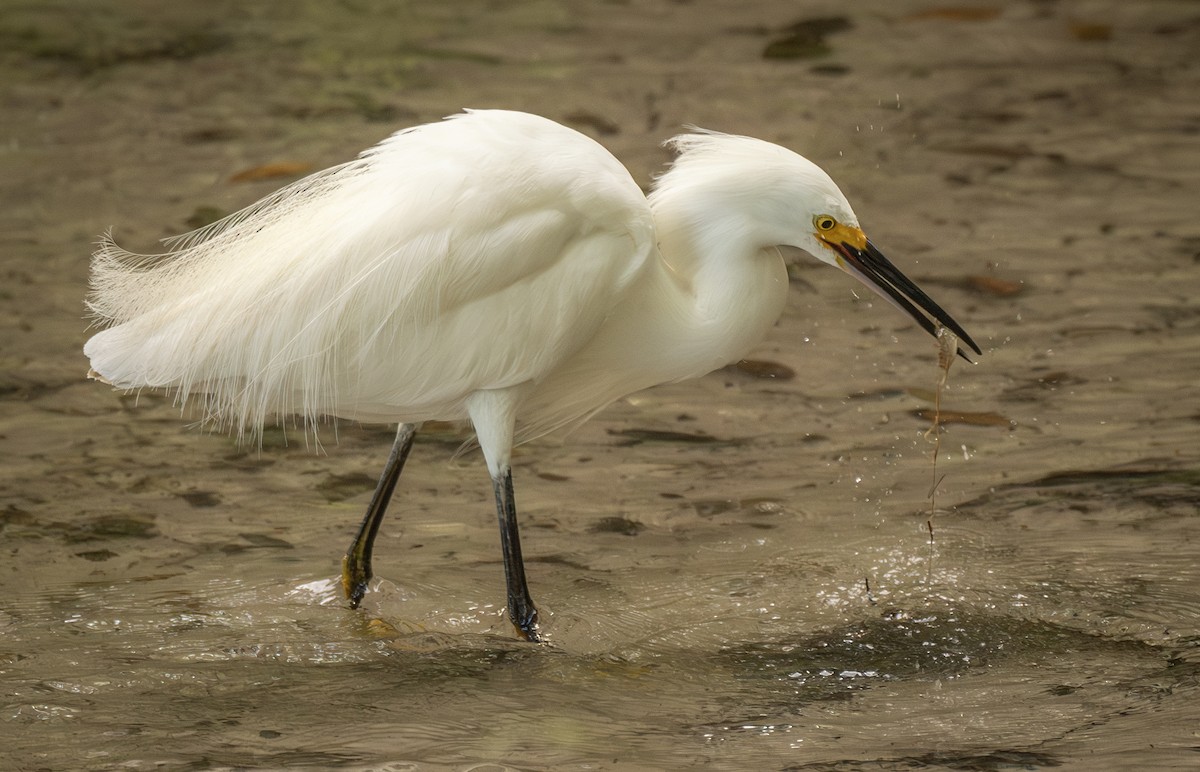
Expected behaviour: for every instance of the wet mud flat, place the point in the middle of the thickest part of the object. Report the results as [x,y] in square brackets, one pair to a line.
[736,572]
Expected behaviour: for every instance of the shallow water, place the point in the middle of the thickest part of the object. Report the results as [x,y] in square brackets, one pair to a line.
[735,572]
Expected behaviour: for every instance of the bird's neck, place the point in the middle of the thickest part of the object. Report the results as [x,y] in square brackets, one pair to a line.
[725,291]
[705,302]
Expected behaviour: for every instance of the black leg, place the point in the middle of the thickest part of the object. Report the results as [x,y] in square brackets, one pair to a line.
[521,610]
[356,566]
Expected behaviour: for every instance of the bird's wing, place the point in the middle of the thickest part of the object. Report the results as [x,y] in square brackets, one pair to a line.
[473,253]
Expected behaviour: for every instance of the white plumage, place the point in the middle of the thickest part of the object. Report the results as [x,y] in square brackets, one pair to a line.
[495,266]
[387,288]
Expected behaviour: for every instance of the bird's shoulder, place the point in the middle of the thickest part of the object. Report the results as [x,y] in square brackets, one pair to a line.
[485,165]
[492,197]
[452,213]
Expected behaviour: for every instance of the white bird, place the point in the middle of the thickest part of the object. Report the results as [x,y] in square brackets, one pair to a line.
[495,266]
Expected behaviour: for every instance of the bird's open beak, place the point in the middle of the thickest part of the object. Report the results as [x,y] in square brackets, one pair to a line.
[859,257]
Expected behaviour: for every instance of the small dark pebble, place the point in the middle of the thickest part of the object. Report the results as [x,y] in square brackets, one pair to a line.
[201,498]
[761,368]
[805,39]
[617,524]
[96,556]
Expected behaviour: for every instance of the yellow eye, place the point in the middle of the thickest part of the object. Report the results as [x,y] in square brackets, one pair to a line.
[824,222]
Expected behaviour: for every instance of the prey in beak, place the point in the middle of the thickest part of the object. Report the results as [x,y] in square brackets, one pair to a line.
[857,256]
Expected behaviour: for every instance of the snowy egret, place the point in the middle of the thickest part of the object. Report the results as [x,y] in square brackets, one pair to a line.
[495,267]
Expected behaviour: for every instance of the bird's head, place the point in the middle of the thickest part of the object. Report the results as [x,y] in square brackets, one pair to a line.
[785,200]
[834,237]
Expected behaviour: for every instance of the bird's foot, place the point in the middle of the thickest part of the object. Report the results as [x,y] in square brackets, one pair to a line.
[526,624]
[355,577]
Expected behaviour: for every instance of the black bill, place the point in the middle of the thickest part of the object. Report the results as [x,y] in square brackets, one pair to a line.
[877,272]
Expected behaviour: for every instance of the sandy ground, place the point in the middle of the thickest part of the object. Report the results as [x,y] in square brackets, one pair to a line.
[714,558]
